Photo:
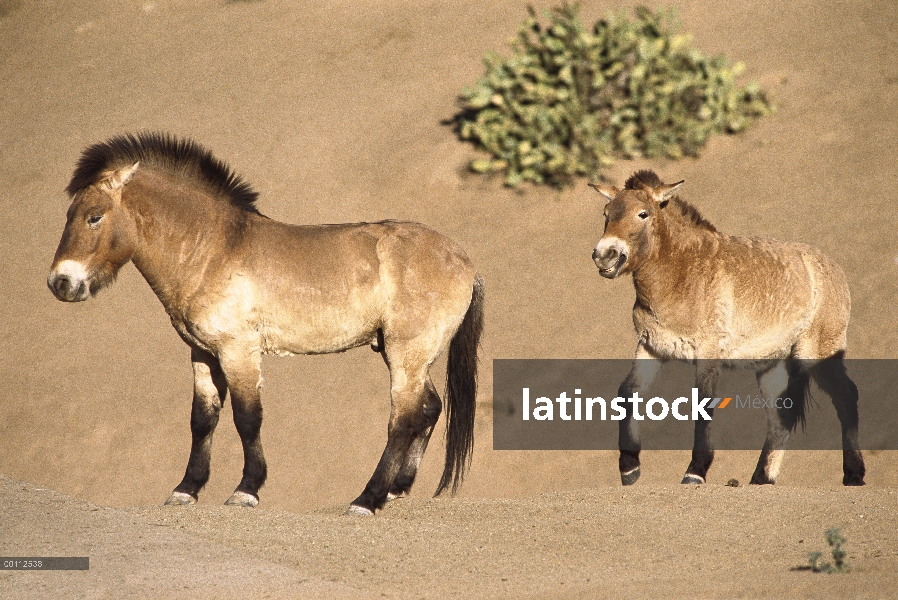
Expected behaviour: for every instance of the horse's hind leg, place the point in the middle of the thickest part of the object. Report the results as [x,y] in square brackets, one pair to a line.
[412,417]
[833,379]
[431,410]
[777,382]
[209,389]
[244,382]
[643,372]
[706,376]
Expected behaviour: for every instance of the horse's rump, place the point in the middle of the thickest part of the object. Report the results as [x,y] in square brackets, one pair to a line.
[790,290]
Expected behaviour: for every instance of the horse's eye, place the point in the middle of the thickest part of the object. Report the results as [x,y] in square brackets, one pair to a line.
[94,221]
[643,215]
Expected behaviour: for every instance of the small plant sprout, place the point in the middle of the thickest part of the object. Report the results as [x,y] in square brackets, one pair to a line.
[835,539]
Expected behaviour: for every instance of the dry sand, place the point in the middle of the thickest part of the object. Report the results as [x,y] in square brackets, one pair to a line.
[333,111]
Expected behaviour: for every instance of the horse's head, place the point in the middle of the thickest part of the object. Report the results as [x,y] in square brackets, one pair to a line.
[99,238]
[630,218]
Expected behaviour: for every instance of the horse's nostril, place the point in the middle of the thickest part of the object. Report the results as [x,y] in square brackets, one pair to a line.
[64,287]
[605,253]
[62,284]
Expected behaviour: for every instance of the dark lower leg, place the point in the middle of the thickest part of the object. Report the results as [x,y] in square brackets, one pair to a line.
[853,468]
[833,379]
[706,376]
[203,419]
[209,390]
[244,380]
[702,453]
[697,471]
[405,478]
[399,439]
[248,420]
[629,445]
[640,377]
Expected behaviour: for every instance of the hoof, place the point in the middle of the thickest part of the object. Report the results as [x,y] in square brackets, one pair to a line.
[630,477]
[391,496]
[242,499]
[852,481]
[180,499]
[358,511]
[761,479]
[693,479]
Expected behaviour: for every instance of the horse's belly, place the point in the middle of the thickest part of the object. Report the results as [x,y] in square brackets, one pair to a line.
[759,343]
[247,316]
[714,344]
[315,338]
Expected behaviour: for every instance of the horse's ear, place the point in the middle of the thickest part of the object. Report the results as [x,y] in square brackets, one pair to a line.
[609,191]
[117,179]
[663,193]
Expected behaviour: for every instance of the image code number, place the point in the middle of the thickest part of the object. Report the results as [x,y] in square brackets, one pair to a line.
[59,563]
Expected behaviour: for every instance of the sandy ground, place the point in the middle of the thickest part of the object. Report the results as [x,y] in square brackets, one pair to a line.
[333,111]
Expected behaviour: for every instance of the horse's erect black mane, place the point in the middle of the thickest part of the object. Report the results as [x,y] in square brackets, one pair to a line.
[164,151]
[641,180]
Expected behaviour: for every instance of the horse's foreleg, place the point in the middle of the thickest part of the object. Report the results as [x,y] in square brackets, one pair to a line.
[209,389]
[244,382]
[776,382]
[411,418]
[643,372]
[706,376]
[431,410]
[833,379]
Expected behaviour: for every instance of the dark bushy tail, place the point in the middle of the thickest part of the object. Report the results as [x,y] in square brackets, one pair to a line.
[799,390]
[461,392]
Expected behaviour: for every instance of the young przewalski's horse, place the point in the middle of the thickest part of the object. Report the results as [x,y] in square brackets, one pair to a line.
[709,298]
[238,285]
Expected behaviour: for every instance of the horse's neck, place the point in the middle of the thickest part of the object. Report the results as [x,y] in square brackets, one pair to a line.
[664,275]
[180,236]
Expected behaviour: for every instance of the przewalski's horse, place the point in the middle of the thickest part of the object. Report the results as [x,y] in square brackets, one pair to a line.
[238,285]
[709,298]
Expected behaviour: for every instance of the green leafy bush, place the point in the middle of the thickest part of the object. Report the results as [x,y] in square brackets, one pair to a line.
[570,100]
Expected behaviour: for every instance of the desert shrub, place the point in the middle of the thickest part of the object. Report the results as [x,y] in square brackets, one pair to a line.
[568,101]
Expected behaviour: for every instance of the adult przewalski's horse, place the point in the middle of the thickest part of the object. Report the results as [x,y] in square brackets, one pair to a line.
[238,285]
[710,298]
